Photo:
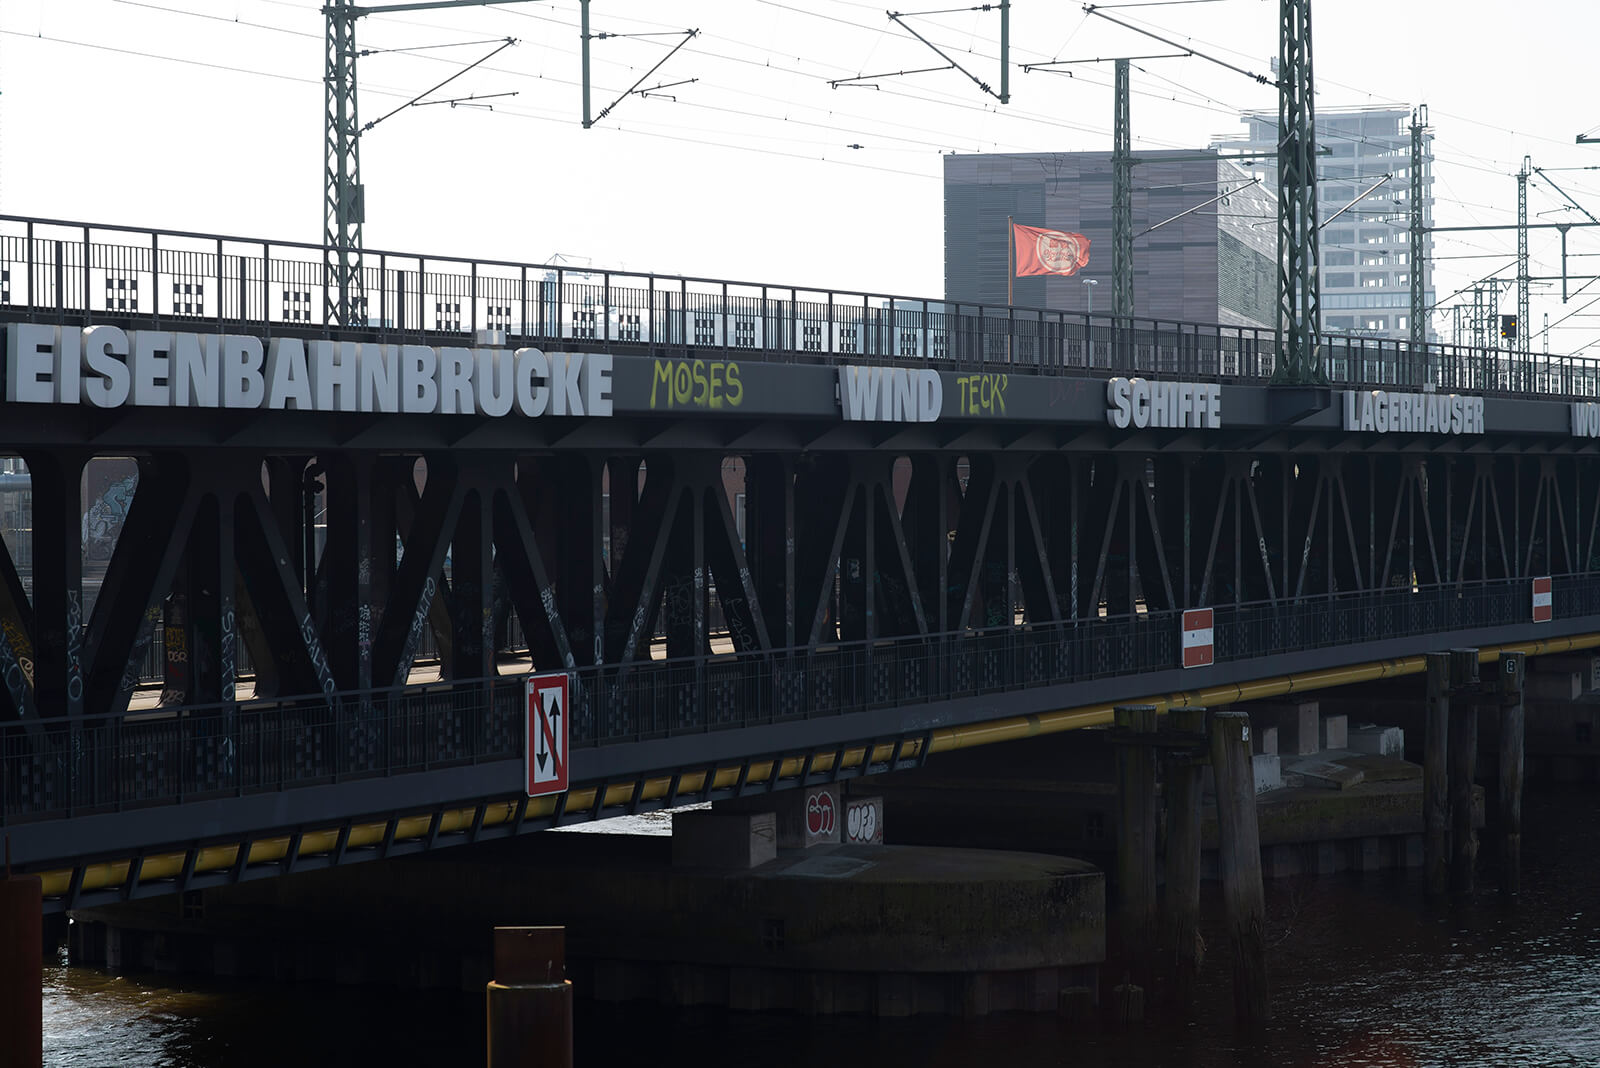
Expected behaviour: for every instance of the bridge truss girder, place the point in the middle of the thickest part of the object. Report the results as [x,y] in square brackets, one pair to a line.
[215,556]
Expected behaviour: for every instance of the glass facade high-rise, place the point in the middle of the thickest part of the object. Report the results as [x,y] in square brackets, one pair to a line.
[1366,252]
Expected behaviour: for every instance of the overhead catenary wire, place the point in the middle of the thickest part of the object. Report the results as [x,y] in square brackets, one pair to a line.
[786,119]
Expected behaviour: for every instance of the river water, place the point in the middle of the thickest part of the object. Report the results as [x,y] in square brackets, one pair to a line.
[1364,974]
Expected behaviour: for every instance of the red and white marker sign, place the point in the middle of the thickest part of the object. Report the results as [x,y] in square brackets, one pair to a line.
[547,733]
[1541,600]
[1197,637]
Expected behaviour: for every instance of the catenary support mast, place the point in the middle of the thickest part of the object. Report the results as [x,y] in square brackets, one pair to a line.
[344,197]
[1418,322]
[1122,199]
[1299,291]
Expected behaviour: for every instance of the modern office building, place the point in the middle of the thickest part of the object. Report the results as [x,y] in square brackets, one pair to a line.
[1366,252]
[1215,264]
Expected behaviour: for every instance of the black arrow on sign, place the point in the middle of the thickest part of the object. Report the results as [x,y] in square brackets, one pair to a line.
[541,754]
[553,712]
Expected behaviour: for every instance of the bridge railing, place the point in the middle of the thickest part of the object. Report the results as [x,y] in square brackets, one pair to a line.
[52,768]
[78,272]
[666,698]
[191,753]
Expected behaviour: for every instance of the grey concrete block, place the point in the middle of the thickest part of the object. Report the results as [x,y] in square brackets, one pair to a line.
[1555,685]
[805,818]
[1268,770]
[1335,732]
[1586,666]
[1298,722]
[863,820]
[1322,774]
[1264,741]
[737,840]
[1374,740]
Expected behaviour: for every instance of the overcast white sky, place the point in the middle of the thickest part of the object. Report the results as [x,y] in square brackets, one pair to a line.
[207,115]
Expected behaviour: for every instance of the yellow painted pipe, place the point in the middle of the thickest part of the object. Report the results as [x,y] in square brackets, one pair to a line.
[943,740]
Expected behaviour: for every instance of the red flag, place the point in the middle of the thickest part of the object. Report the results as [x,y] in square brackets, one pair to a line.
[1048,251]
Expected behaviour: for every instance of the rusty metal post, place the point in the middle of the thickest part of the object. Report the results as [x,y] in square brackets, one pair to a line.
[21,969]
[530,999]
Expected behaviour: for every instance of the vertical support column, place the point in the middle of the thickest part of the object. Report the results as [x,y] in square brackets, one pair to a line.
[211,592]
[1513,667]
[1436,777]
[1463,768]
[597,554]
[1182,796]
[471,653]
[1136,841]
[286,492]
[350,566]
[530,999]
[1239,857]
[21,967]
[58,613]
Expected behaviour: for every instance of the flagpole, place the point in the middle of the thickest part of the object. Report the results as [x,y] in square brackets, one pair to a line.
[1011,262]
[1011,282]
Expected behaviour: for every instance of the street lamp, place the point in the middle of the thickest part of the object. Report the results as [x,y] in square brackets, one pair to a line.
[1090,283]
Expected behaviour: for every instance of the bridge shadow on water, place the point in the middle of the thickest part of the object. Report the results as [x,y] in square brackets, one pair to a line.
[1365,975]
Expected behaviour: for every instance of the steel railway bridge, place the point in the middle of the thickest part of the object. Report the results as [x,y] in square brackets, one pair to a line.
[778,535]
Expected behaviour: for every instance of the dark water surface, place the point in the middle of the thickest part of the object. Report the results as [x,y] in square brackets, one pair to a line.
[1363,975]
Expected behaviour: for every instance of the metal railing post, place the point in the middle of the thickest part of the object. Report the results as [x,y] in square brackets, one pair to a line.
[221,299]
[266,281]
[85,287]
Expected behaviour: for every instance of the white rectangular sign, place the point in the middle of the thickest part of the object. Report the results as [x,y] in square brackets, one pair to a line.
[1197,632]
[1542,607]
[546,748]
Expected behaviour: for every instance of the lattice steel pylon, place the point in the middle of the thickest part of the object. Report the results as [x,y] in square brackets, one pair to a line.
[1520,342]
[1122,200]
[344,197]
[1419,298]
[1299,284]
[344,209]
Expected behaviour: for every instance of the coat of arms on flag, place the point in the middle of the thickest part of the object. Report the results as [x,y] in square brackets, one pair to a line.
[1040,251]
